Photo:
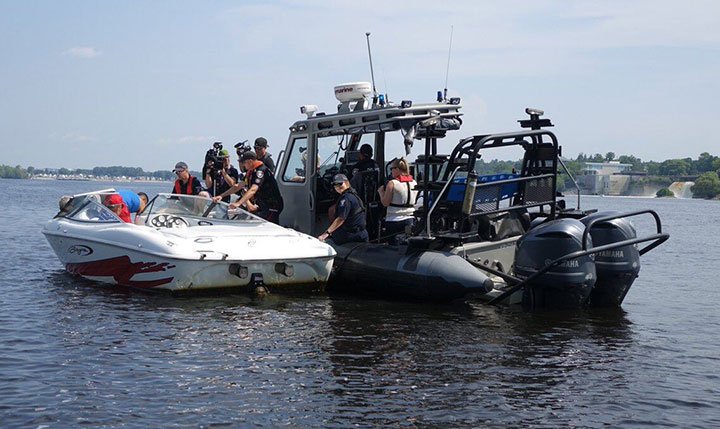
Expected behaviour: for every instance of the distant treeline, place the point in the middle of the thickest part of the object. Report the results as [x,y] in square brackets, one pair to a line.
[18,172]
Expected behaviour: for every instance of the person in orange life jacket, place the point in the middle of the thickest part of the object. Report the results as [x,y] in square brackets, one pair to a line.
[399,197]
[262,197]
[185,183]
[349,225]
[226,178]
[116,204]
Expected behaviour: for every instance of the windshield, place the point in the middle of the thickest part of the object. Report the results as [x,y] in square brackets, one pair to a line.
[88,209]
[194,206]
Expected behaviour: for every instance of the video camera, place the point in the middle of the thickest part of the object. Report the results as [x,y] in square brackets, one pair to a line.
[241,148]
[213,161]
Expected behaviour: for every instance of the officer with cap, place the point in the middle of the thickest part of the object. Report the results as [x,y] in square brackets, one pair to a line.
[260,147]
[349,225]
[261,187]
[186,184]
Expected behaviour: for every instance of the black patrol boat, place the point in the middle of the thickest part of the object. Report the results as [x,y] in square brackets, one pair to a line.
[501,238]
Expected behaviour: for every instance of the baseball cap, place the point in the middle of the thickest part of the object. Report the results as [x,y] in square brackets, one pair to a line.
[339,178]
[224,153]
[113,200]
[261,142]
[180,166]
[248,155]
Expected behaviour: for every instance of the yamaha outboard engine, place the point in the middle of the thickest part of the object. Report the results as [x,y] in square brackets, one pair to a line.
[567,285]
[616,268]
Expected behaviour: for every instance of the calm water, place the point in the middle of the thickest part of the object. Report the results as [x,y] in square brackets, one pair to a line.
[74,353]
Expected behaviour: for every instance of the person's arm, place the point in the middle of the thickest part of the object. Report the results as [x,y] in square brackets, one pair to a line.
[208,181]
[248,195]
[386,193]
[229,179]
[337,223]
[234,188]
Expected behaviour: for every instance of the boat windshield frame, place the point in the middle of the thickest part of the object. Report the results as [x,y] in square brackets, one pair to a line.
[197,207]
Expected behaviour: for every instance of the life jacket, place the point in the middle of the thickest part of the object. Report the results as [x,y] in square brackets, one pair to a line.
[408,181]
[188,187]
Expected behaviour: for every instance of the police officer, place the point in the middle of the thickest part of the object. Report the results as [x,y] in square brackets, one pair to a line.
[260,147]
[349,225]
[262,197]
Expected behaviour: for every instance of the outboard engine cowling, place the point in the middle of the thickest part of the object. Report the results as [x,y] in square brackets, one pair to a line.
[568,285]
[617,268]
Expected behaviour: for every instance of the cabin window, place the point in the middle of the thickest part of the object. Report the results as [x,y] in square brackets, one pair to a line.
[295,170]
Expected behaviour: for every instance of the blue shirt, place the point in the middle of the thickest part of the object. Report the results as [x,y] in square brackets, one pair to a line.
[131,200]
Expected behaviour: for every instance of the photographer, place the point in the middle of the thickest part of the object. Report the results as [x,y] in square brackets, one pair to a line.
[220,175]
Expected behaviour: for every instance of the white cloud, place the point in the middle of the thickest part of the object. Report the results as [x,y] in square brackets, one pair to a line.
[83,52]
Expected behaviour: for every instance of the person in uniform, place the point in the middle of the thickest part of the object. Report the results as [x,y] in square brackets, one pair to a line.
[349,224]
[260,147]
[185,183]
[262,197]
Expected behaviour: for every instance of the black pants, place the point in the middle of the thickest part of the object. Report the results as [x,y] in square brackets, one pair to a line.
[343,235]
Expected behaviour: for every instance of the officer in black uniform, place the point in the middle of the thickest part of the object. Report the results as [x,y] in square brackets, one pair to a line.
[260,147]
[349,225]
[262,197]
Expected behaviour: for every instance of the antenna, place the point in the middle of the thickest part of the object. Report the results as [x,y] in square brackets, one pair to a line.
[372,74]
[447,71]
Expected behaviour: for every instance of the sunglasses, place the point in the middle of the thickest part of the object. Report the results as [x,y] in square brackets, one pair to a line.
[337,184]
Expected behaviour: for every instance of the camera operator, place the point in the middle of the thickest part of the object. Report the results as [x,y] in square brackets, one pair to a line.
[220,175]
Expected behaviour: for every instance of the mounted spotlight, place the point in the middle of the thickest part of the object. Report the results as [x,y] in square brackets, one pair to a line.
[308,109]
[455,100]
[406,104]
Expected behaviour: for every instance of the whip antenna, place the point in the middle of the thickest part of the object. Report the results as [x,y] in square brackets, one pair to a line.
[372,74]
[447,71]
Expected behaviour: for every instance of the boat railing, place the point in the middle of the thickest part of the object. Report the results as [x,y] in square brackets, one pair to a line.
[437,201]
[577,187]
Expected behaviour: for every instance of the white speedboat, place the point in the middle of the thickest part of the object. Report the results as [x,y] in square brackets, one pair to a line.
[185,243]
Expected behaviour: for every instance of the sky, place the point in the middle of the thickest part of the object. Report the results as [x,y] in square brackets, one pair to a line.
[149,83]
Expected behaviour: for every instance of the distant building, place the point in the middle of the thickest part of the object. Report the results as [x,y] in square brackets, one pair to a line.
[605,178]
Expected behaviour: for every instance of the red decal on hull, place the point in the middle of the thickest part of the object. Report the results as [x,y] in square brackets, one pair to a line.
[122,270]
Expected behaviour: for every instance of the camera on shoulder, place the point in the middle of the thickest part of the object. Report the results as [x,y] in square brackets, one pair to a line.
[213,160]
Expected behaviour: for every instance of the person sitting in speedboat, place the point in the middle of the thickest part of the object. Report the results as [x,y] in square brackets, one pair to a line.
[399,197]
[349,224]
[187,184]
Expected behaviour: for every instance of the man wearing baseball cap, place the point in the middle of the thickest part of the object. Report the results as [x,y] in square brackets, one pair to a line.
[220,181]
[261,146]
[185,183]
[349,225]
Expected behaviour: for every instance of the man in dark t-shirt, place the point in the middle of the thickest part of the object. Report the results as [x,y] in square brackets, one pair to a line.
[260,147]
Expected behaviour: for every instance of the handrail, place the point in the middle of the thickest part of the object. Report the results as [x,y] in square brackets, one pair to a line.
[658,225]
[437,200]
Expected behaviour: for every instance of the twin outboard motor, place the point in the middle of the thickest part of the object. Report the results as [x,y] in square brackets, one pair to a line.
[567,285]
[616,268]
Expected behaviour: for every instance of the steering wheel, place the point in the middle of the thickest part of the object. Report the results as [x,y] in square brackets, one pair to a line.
[165,221]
